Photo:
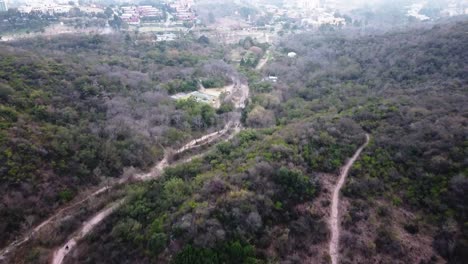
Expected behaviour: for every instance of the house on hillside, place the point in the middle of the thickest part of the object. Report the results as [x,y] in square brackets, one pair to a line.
[271,78]
[292,54]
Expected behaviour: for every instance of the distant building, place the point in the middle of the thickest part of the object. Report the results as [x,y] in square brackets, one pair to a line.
[183,10]
[149,11]
[3,6]
[271,78]
[308,4]
[45,8]
[323,19]
[133,15]
[292,54]
[130,15]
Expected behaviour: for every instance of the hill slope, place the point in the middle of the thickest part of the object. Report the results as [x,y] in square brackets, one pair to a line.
[264,196]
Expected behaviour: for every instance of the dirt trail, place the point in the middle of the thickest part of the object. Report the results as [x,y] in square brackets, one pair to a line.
[51,219]
[263,61]
[154,173]
[334,216]
[206,139]
[233,126]
[88,226]
[85,229]
[241,94]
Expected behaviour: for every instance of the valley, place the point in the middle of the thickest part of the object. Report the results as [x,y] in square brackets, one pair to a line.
[194,132]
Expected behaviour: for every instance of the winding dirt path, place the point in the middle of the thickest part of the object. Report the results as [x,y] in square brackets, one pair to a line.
[89,225]
[49,220]
[199,142]
[334,216]
[154,173]
[85,229]
[233,126]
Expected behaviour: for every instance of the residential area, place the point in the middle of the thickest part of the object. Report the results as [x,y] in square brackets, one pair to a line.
[168,20]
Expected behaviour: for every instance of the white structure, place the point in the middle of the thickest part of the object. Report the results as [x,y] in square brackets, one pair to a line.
[133,14]
[45,8]
[414,10]
[3,6]
[292,54]
[324,19]
[183,9]
[308,5]
[166,37]
[456,8]
[273,79]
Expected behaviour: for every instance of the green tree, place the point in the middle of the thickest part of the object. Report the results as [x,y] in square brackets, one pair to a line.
[176,189]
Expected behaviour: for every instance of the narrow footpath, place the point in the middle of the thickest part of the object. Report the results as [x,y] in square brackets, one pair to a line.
[85,229]
[334,216]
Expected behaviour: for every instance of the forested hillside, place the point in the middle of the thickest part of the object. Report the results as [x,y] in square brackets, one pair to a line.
[410,91]
[264,196]
[246,201]
[77,110]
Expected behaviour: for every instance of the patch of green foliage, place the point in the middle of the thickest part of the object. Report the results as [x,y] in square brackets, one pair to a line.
[195,109]
[228,253]
[295,185]
[214,82]
[181,86]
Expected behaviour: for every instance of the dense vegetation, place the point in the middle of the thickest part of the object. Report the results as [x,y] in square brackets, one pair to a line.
[259,194]
[88,108]
[245,197]
[409,90]
[85,109]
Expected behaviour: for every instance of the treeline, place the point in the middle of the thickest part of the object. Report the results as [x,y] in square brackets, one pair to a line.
[13,20]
